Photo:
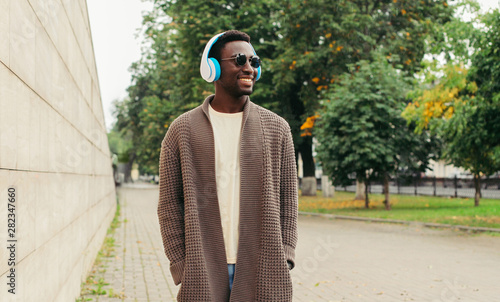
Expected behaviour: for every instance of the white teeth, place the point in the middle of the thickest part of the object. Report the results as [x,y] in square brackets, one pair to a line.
[246,80]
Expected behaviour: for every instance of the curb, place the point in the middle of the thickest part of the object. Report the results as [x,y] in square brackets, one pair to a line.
[405,222]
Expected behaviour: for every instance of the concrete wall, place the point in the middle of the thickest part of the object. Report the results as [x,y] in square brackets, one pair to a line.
[53,149]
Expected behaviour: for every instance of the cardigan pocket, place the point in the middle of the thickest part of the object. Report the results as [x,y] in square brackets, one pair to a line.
[177,271]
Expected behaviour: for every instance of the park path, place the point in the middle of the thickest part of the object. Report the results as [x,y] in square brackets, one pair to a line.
[337,260]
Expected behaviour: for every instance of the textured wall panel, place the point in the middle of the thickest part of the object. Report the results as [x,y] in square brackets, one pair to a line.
[53,148]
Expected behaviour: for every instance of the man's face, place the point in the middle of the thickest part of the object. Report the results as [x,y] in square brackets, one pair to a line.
[236,80]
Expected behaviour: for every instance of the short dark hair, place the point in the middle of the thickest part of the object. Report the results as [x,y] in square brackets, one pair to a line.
[228,36]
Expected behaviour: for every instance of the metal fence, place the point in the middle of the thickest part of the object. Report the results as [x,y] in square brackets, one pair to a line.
[434,186]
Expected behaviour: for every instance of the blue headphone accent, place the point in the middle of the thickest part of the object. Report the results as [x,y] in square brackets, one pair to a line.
[210,67]
[215,68]
[259,70]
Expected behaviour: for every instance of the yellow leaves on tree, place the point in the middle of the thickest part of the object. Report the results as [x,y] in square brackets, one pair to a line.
[439,101]
[316,81]
[308,125]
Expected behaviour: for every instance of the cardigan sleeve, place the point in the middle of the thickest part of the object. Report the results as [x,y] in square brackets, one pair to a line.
[288,196]
[171,210]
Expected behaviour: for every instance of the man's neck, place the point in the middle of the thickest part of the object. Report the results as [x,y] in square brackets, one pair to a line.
[226,104]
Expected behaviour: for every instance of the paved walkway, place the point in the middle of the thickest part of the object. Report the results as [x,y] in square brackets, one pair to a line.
[337,260]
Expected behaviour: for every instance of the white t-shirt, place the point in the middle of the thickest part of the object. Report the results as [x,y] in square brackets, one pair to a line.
[227,133]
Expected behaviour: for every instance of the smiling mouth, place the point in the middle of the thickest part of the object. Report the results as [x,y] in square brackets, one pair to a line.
[246,80]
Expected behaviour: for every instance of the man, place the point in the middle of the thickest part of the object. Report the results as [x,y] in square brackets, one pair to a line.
[228,187]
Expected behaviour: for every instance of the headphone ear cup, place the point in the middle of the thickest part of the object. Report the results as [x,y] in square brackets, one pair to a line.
[209,67]
[259,70]
[214,68]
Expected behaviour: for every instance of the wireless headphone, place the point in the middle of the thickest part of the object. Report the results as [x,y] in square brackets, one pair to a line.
[210,67]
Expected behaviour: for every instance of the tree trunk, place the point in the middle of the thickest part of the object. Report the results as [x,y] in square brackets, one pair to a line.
[477,185]
[128,169]
[386,192]
[308,166]
[293,107]
[367,201]
[360,190]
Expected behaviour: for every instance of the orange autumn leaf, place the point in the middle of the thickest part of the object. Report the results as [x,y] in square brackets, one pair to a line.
[308,125]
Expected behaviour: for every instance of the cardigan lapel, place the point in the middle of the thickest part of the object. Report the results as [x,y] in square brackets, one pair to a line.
[203,150]
[249,244]
[251,165]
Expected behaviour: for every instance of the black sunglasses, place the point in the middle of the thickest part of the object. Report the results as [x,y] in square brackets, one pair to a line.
[241,60]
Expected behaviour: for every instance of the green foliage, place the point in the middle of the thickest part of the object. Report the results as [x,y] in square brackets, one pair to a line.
[177,44]
[416,150]
[472,134]
[120,144]
[463,107]
[485,68]
[319,39]
[453,40]
[305,47]
[360,128]
[443,83]
[167,82]
[434,101]
[468,138]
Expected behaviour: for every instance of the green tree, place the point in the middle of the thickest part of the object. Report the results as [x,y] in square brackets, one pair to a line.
[473,132]
[485,67]
[468,141]
[467,123]
[434,100]
[463,106]
[453,40]
[360,129]
[319,39]
[166,81]
[120,146]
[305,45]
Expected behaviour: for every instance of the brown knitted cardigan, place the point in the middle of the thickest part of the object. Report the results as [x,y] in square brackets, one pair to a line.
[189,215]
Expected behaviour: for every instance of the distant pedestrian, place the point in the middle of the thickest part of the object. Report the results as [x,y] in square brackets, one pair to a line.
[228,187]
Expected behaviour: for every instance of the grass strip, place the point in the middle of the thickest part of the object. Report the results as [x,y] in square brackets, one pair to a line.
[95,284]
[428,209]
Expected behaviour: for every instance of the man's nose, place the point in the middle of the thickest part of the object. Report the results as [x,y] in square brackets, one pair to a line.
[247,67]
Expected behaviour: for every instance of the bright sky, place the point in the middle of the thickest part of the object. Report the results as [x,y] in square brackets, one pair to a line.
[487,4]
[115,25]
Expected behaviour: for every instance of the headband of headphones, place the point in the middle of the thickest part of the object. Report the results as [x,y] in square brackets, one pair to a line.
[210,67]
